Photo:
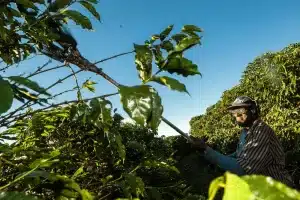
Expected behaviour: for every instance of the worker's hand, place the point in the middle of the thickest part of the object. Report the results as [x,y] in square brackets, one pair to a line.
[198,143]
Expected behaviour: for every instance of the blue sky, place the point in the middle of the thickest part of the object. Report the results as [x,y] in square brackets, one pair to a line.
[235,32]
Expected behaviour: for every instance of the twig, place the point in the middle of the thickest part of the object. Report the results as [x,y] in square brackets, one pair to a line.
[100,61]
[104,197]
[46,70]
[8,66]
[22,115]
[5,68]
[28,103]
[59,81]
[39,69]
[112,57]
[7,161]
[58,94]
[79,97]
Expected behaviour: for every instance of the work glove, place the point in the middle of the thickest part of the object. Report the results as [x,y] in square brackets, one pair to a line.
[198,143]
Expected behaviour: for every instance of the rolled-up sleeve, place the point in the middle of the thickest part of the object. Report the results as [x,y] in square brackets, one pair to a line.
[255,155]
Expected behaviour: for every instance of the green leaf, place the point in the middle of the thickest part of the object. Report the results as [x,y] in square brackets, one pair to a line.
[71,184]
[29,84]
[178,37]
[92,1]
[185,44]
[269,189]
[153,163]
[85,195]
[166,32]
[143,61]
[26,3]
[39,1]
[120,147]
[106,179]
[24,94]
[42,163]
[50,127]
[106,117]
[154,38]
[89,85]
[142,104]
[135,145]
[214,187]
[155,194]
[58,4]
[137,186]
[7,96]
[167,45]
[181,66]
[90,8]
[16,195]
[236,188]
[54,153]
[96,110]
[171,83]
[159,59]
[69,193]
[191,28]
[79,18]
[14,12]
[156,111]
[35,174]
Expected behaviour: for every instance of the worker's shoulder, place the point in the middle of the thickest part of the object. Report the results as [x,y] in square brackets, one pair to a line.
[261,127]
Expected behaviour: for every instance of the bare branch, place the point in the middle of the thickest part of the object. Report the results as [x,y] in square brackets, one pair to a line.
[79,97]
[39,69]
[8,66]
[22,115]
[115,56]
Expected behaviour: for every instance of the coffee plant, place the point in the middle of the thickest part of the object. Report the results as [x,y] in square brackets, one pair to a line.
[81,149]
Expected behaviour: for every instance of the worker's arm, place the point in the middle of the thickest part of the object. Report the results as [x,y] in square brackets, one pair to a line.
[226,163]
[233,155]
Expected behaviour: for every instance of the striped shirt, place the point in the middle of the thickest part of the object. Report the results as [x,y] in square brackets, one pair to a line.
[263,154]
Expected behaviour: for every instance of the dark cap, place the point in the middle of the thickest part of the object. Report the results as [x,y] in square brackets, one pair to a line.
[242,102]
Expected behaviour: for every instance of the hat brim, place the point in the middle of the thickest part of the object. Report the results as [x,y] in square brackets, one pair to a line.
[233,107]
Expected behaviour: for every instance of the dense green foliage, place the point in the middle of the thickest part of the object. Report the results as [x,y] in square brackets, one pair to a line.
[127,161]
[83,151]
[273,80]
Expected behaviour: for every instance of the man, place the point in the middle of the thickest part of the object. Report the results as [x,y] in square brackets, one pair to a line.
[258,152]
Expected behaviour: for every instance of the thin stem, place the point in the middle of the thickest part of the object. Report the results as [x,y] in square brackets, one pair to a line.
[158,72]
[58,94]
[22,115]
[100,61]
[136,168]
[38,71]
[7,161]
[79,96]
[104,197]
[59,81]
[19,178]
[115,56]
[46,70]
[8,66]
[63,79]
[27,104]
[170,186]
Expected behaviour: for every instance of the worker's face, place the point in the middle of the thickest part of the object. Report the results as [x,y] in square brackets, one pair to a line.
[240,116]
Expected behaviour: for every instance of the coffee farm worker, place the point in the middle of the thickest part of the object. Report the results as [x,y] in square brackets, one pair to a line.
[258,152]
